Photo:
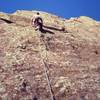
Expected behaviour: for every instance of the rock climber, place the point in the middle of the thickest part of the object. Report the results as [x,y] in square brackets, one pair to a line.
[37,22]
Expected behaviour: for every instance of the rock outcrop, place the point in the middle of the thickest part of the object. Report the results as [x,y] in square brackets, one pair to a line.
[69,49]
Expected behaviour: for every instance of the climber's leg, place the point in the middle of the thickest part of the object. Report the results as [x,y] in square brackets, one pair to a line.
[40,27]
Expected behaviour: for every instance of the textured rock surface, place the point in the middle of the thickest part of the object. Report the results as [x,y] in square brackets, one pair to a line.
[72,56]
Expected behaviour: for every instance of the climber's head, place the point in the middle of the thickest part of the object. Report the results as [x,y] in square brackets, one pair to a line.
[38,13]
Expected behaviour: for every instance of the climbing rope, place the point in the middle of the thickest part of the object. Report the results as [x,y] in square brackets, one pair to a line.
[44,60]
[48,80]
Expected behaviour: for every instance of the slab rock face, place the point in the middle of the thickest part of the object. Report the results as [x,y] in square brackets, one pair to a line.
[68,51]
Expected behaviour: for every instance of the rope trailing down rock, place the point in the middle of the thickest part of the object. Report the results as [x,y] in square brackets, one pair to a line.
[44,59]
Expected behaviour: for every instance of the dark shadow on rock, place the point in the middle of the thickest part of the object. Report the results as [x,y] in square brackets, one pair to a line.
[35,98]
[7,21]
[46,31]
[57,29]
[53,28]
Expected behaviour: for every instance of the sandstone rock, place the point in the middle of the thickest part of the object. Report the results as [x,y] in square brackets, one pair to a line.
[2,88]
[71,55]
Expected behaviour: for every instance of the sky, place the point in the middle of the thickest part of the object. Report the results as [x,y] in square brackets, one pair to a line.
[62,8]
